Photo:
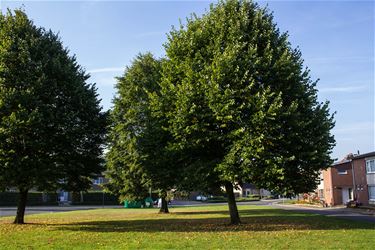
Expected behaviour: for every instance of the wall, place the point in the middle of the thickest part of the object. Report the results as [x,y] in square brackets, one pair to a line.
[335,182]
[328,197]
[361,191]
[341,181]
[370,179]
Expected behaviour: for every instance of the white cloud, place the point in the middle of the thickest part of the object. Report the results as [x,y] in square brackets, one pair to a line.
[104,70]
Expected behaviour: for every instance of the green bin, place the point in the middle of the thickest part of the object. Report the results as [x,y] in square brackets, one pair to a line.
[132,204]
[149,202]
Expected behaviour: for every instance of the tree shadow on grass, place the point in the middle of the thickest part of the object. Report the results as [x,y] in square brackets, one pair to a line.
[252,220]
[245,212]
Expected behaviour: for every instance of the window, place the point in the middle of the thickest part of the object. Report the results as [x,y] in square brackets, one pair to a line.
[371,192]
[342,171]
[321,193]
[370,166]
[98,181]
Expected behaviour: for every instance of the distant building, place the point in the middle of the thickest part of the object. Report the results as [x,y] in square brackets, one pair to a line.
[240,191]
[250,189]
[96,188]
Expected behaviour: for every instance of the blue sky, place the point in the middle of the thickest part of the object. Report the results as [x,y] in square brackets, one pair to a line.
[336,39]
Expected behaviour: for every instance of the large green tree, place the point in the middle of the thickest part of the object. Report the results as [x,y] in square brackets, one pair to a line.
[139,157]
[51,126]
[240,104]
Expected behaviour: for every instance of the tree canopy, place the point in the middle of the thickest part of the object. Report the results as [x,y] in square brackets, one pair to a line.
[240,104]
[52,129]
[138,156]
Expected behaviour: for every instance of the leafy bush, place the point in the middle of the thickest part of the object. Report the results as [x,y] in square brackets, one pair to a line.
[254,196]
[269,197]
[95,198]
[247,199]
[216,199]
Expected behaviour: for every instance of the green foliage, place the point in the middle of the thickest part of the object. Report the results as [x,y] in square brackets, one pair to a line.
[240,104]
[138,156]
[255,196]
[216,199]
[220,199]
[51,125]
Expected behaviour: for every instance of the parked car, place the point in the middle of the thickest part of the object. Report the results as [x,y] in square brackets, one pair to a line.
[201,198]
[353,203]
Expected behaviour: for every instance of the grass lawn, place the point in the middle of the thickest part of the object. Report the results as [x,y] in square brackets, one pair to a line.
[203,227]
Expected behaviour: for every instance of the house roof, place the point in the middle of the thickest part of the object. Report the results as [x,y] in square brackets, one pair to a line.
[249,186]
[340,162]
[350,157]
[364,155]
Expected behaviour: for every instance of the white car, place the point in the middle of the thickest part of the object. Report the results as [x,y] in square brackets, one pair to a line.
[201,198]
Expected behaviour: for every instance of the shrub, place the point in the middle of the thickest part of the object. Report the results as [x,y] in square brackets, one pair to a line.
[254,196]
[95,198]
[215,199]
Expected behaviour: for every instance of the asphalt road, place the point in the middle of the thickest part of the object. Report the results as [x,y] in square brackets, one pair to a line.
[11,211]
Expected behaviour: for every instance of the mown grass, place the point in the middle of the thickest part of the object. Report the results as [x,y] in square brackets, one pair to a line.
[194,227]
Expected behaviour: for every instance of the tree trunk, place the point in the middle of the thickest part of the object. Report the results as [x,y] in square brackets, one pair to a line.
[234,216]
[21,207]
[164,206]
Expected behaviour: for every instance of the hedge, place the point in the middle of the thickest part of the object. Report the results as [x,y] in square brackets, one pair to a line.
[51,199]
[94,198]
[33,199]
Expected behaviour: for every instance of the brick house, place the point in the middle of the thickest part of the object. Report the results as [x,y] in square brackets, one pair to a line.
[337,185]
[353,178]
[364,181]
